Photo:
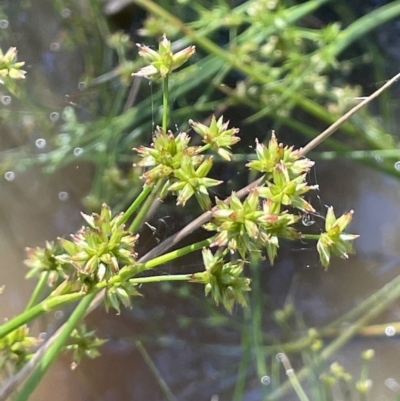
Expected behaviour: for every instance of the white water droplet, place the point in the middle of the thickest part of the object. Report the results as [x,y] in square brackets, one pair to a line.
[9,176]
[40,143]
[3,24]
[43,335]
[265,380]
[66,13]
[6,100]
[397,165]
[63,196]
[54,116]
[78,151]
[82,86]
[307,220]
[392,384]
[390,331]
[55,47]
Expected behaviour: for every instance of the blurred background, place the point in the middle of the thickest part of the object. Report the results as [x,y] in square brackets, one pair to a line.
[67,134]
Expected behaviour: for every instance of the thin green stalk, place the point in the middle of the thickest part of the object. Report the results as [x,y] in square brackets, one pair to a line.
[42,307]
[392,294]
[363,378]
[165,103]
[157,279]
[161,382]
[294,381]
[55,348]
[310,236]
[376,298]
[135,204]
[38,289]
[138,221]
[245,361]
[255,317]
[127,273]
[365,24]
[357,154]
[177,253]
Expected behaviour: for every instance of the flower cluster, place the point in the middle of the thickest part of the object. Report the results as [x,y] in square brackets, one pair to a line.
[217,136]
[268,157]
[16,348]
[97,252]
[334,240]
[223,280]
[9,67]
[165,155]
[284,190]
[247,228]
[100,250]
[45,260]
[83,343]
[164,61]
[183,167]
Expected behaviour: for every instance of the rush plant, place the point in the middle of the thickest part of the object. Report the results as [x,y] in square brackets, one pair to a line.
[99,264]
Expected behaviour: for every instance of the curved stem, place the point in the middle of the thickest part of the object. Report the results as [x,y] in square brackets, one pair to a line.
[38,289]
[310,236]
[154,279]
[135,204]
[55,348]
[138,221]
[44,306]
[165,104]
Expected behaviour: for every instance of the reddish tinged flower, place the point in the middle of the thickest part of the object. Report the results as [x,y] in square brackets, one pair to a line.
[269,156]
[99,251]
[284,190]
[166,154]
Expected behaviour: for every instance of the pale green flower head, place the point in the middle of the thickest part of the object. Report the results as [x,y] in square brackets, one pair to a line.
[9,68]
[163,61]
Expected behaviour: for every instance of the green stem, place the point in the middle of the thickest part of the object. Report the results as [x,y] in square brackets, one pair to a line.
[292,377]
[55,348]
[157,279]
[165,104]
[254,316]
[54,302]
[127,273]
[177,253]
[310,236]
[38,289]
[392,294]
[245,361]
[377,298]
[161,382]
[45,306]
[135,204]
[294,381]
[204,148]
[138,221]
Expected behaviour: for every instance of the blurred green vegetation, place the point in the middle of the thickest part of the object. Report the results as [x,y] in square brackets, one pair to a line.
[266,64]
